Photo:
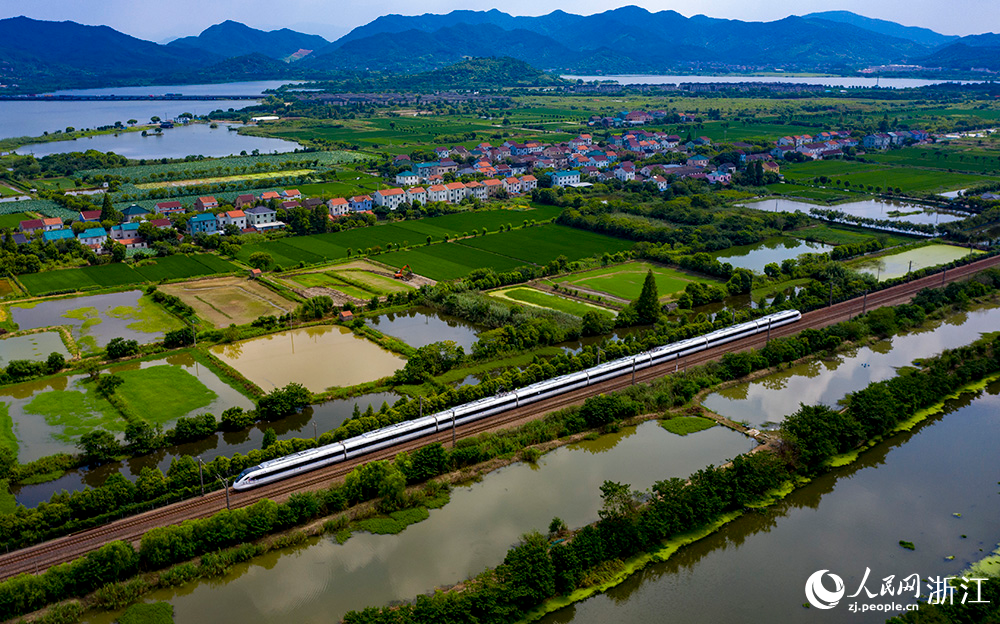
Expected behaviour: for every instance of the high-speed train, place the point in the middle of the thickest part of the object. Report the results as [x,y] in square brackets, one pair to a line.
[311,459]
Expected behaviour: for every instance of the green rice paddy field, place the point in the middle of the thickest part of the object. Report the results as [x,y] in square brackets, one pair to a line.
[543,299]
[625,280]
[909,179]
[111,275]
[504,251]
[288,252]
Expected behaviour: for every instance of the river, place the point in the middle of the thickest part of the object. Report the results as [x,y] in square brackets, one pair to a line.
[847,82]
[321,580]
[934,486]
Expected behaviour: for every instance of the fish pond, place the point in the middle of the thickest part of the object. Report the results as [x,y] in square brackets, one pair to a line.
[899,264]
[318,357]
[777,249]
[420,326]
[96,319]
[869,208]
[35,347]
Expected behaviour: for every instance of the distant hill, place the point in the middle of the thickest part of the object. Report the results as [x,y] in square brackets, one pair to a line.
[44,52]
[961,56]
[231,39]
[632,38]
[923,36]
[481,73]
[254,66]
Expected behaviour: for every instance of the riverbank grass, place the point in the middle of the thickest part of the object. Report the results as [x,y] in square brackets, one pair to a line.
[75,413]
[147,317]
[148,613]
[683,425]
[7,437]
[394,523]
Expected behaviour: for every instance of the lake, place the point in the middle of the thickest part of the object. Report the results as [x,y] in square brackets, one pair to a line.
[318,357]
[847,82]
[34,347]
[198,139]
[420,326]
[35,118]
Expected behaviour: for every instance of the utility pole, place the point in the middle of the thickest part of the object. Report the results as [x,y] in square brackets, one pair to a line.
[315,432]
[421,405]
[454,419]
[201,476]
[908,270]
[225,484]
[598,356]
[864,303]
[831,293]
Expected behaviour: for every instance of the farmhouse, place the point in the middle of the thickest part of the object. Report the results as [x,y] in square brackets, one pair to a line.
[338,207]
[232,217]
[390,198]
[205,203]
[203,223]
[167,207]
[263,218]
[94,237]
[565,178]
[54,235]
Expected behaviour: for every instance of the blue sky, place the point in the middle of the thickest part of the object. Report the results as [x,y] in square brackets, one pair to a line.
[332,18]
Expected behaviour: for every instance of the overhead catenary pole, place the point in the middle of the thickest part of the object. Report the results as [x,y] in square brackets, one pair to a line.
[225,485]
[201,477]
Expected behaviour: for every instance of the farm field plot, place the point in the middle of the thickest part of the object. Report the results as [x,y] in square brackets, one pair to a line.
[181,266]
[9,191]
[360,279]
[6,288]
[246,177]
[939,157]
[841,235]
[543,244]
[13,220]
[315,248]
[535,297]
[227,300]
[801,191]
[909,179]
[447,261]
[625,280]
[52,184]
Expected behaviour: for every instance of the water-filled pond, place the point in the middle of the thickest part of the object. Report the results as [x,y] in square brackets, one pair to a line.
[322,580]
[899,264]
[771,398]
[420,326]
[318,357]
[755,257]
[34,347]
[96,319]
[870,208]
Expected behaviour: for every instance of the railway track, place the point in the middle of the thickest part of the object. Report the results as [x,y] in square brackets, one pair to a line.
[37,558]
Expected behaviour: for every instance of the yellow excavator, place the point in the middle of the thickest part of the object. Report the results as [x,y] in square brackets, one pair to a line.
[404,273]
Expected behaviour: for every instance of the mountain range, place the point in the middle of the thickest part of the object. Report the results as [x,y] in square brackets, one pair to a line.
[38,55]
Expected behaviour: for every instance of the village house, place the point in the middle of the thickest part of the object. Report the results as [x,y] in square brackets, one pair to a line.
[361,203]
[55,235]
[232,217]
[92,216]
[456,192]
[389,198]
[476,190]
[437,193]
[244,200]
[530,182]
[205,203]
[493,187]
[123,231]
[338,207]
[167,207]
[407,178]
[416,194]
[565,178]
[203,223]
[263,218]
[93,237]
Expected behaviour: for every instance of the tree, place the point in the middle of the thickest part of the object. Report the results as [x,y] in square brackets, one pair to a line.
[99,446]
[151,484]
[260,260]
[142,437]
[647,306]
[55,362]
[236,419]
[108,212]
[132,122]
[619,502]
[270,437]
[108,384]
[528,573]
[119,348]
[154,119]
[283,401]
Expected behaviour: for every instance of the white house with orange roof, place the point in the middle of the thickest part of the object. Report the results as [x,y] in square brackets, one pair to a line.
[269,195]
[528,183]
[456,192]
[416,194]
[291,194]
[389,198]
[338,207]
[232,217]
[437,193]
[512,185]
[493,186]
[205,203]
[476,190]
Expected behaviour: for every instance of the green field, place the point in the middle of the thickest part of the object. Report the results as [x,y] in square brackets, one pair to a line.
[543,299]
[75,412]
[960,158]
[145,391]
[862,175]
[111,275]
[808,192]
[52,184]
[448,260]
[13,220]
[845,235]
[625,280]
[289,252]
[540,245]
